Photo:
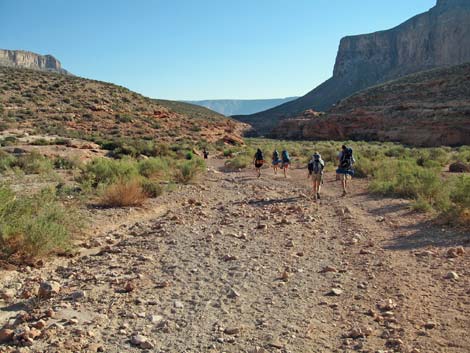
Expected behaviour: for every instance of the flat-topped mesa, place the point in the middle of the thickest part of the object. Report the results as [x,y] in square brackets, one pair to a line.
[30,60]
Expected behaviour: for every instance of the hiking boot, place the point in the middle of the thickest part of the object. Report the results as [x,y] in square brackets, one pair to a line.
[344,193]
[318,196]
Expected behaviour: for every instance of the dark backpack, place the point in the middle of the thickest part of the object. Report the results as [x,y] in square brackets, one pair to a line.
[315,167]
[276,155]
[285,156]
[346,159]
[259,156]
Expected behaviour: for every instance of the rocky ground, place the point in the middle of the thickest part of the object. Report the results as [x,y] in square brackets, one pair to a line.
[240,264]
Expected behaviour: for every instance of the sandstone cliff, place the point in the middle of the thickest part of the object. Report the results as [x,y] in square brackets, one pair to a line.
[29,60]
[437,38]
[430,108]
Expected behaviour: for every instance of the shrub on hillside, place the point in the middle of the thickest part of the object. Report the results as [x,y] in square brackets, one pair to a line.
[154,168]
[124,193]
[107,171]
[34,224]
[187,171]
[7,161]
[34,163]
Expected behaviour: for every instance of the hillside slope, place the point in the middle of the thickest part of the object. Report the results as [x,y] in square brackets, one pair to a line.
[437,38]
[229,107]
[73,106]
[429,108]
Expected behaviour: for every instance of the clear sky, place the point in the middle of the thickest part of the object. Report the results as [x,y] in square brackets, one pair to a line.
[198,49]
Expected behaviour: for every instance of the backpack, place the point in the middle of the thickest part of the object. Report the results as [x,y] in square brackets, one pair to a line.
[276,155]
[285,156]
[259,156]
[315,166]
[346,159]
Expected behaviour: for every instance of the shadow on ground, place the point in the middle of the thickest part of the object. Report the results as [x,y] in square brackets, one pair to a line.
[425,234]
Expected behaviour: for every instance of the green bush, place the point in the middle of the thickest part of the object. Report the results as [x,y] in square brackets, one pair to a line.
[67,163]
[34,163]
[36,224]
[187,171]
[107,171]
[406,179]
[241,161]
[151,188]
[7,161]
[154,168]
[460,192]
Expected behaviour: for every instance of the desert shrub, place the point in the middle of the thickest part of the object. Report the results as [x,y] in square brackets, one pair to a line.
[67,163]
[41,142]
[7,161]
[460,192]
[154,168]
[151,188]
[35,225]
[405,179]
[187,171]
[241,161]
[107,171]
[364,167]
[34,163]
[124,193]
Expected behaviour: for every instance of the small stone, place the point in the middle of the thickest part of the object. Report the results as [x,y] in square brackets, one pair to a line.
[39,324]
[262,226]
[129,287]
[455,252]
[430,325]
[48,289]
[258,350]
[232,331]
[137,340]
[387,305]
[452,275]
[73,321]
[276,343]
[6,335]
[79,294]
[335,292]
[155,319]
[233,293]
[284,276]
[147,345]
[328,269]
[178,304]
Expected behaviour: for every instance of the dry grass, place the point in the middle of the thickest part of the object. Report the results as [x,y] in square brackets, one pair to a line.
[124,193]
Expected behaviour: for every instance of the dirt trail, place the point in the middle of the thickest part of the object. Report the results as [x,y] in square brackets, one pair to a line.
[240,264]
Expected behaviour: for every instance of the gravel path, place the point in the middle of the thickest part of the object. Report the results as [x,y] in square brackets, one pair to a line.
[240,264]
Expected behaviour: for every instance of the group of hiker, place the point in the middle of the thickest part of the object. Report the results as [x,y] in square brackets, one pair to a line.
[315,167]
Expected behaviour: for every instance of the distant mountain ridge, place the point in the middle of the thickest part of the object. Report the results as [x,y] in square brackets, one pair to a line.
[29,60]
[229,107]
[439,37]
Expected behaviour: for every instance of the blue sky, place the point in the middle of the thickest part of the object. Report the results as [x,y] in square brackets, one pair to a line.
[198,49]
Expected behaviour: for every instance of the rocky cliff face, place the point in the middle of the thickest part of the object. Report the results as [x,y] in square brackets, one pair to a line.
[29,60]
[430,108]
[437,38]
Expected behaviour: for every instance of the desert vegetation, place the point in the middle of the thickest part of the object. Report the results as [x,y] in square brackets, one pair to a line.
[393,170]
[45,219]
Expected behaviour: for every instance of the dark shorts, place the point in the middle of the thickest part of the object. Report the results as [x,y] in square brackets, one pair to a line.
[345,171]
[259,164]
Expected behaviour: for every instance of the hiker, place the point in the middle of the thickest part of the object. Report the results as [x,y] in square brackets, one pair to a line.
[285,162]
[315,171]
[345,169]
[205,153]
[276,161]
[258,161]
